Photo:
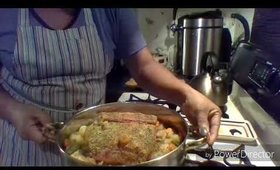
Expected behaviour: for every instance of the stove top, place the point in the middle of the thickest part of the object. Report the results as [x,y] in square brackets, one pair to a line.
[236,145]
[145,97]
[235,157]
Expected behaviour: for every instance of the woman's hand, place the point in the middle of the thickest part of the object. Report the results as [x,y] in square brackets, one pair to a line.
[163,84]
[202,113]
[29,122]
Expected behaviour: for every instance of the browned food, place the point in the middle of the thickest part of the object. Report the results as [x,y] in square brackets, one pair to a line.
[128,117]
[132,142]
[119,138]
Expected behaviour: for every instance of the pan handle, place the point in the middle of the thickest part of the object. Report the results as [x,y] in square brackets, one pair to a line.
[50,130]
[195,144]
[202,132]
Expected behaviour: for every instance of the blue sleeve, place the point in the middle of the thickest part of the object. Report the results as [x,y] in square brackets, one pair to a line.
[8,27]
[130,39]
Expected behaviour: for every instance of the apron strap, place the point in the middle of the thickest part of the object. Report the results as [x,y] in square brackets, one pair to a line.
[23,17]
[88,16]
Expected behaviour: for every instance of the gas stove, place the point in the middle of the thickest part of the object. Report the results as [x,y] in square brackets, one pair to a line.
[237,144]
[145,97]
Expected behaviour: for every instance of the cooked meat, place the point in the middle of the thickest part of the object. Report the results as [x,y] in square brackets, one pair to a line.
[116,157]
[135,140]
[122,138]
[128,117]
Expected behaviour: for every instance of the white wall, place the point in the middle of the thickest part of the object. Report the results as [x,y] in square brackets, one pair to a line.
[155,23]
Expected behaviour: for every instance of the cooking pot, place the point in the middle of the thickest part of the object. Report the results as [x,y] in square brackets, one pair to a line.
[198,34]
[167,117]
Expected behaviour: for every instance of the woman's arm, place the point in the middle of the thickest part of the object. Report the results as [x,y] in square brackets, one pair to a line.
[160,82]
[155,78]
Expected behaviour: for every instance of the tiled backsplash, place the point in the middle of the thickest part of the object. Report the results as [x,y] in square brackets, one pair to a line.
[155,24]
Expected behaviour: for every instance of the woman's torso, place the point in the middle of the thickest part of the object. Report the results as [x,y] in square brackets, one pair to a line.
[60,69]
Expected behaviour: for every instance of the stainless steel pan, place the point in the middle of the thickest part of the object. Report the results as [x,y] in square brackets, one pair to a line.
[166,116]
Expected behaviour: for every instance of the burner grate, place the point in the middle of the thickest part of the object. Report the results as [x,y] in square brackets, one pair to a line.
[238,154]
[134,98]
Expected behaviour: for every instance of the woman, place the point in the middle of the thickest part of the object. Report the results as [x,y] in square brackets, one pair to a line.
[55,61]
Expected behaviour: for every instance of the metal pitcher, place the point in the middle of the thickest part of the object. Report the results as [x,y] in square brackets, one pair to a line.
[212,81]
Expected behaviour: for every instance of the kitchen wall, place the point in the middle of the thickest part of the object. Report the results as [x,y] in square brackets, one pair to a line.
[155,23]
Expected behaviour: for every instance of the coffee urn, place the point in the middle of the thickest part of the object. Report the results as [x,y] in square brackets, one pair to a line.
[198,34]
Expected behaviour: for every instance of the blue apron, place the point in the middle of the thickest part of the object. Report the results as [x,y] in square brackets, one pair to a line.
[58,71]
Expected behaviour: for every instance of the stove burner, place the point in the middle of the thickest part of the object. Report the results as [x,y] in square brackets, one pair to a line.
[172,106]
[212,163]
[133,97]
[204,163]
[241,155]
[209,153]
